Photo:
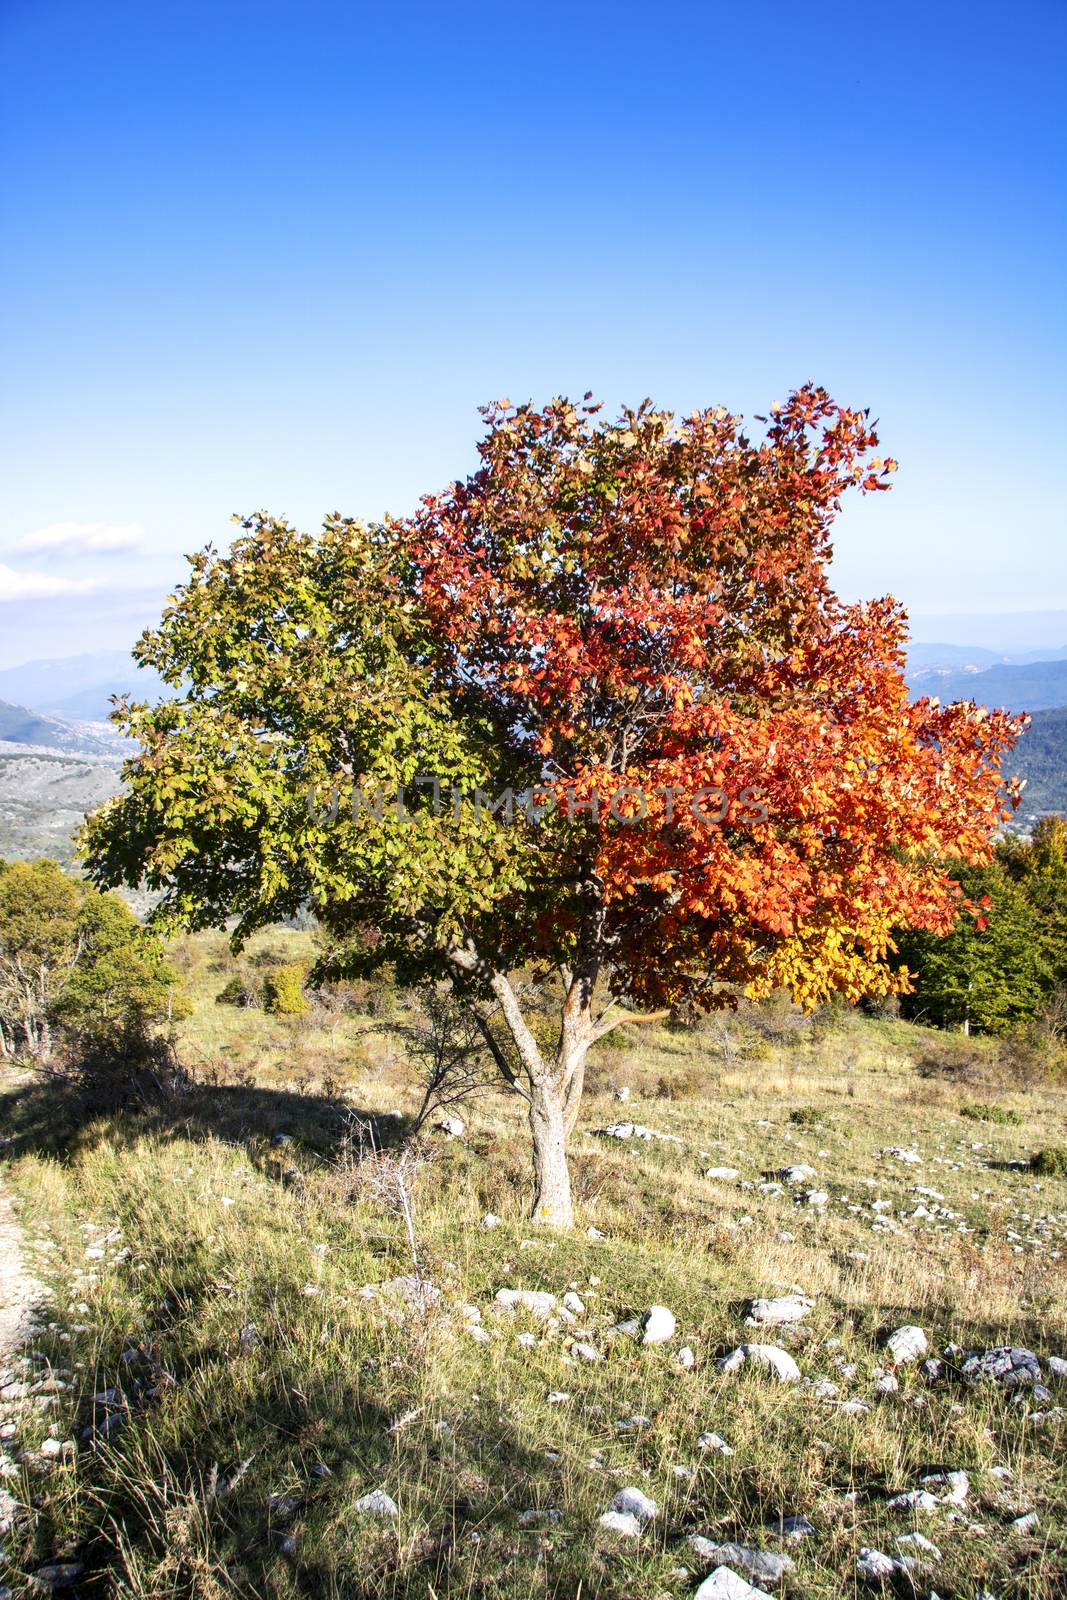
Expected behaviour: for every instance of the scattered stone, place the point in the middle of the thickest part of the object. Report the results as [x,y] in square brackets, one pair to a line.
[817,1198]
[726,1584]
[911,1158]
[686,1359]
[659,1325]
[635,1503]
[1024,1523]
[586,1352]
[594,1233]
[779,1361]
[798,1174]
[635,1130]
[723,1174]
[1057,1366]
[574,1302]
[764,1565]
[1009,1365]
[537,1301]
[490,1220]
[784,1308]
[453,1127]
[377,1504]
[621,1522]
[918,1542]
[417,1293]
[557,1397]
[622,1092]
[792,1527]
[715,1441]
[907,1343]
[913,1500]
[956,1484]
[535,1514]
[874,1567]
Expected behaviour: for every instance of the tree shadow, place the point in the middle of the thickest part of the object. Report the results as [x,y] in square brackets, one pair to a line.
[57,1116]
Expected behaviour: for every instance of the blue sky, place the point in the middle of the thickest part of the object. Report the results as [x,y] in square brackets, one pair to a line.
[277,254]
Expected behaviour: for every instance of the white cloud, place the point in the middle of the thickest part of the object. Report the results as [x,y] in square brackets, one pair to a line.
[40,585]
[99,537]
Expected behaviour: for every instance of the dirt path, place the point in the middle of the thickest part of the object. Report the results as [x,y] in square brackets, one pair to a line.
[19,1293]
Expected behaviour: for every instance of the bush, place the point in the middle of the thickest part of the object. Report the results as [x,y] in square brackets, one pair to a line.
[977,1112]
[240,991]
[807,1117]
[1051,1162]
[283,990]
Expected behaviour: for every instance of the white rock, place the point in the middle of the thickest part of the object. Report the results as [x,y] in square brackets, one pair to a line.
[778,1360]
[874,1566]
[918,1542]
[909,1157]
[635,1503]
[797,1174]
[913,1500]
[538,1301]
[586,1352]
[454,1127]
[594,1233]
[723,1174]
[557,1397]
[1057,1366]
[622,1093]
[620,1522]
[715,1441]
[764,1565]
[686,1359]
[726,1584]
[574,1303]
[1024,1523]
[659,1325]
[377,1504]
[783,1308]
[907,1343]
[491,1221]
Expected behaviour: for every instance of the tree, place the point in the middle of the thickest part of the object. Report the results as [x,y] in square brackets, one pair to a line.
[72,958]
[986,974]
[39,908]
[689,767]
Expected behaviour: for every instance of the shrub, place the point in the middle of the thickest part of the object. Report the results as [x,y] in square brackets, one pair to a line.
[240,991]
[807,1117]
[283,990]
[1051,1162]
[977,1112]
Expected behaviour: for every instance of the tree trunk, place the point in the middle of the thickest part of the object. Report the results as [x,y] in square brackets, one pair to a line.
[552,1182]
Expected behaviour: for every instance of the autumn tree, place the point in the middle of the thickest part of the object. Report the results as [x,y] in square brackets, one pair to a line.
[594,713]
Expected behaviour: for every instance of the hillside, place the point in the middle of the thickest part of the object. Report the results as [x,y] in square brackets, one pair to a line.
[245,1387]
[1041,757]
[1032,686]
[43,798]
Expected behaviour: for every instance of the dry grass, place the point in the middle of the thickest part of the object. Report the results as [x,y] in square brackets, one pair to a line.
[239,1465]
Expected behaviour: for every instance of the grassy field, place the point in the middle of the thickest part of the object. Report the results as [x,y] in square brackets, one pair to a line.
[210,1289]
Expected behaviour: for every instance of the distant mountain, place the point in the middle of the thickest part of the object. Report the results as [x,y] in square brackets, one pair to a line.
[79,686]
[20,726]
[928,658]
[1041,758]
[43,797]
[1033,686]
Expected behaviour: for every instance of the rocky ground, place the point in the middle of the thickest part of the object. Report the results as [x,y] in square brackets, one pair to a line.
[808,1339]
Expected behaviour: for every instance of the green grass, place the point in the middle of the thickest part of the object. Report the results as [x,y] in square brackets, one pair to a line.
[240,1463]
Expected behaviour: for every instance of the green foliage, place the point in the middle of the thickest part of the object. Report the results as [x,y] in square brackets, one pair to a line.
[1003,1115]
[283,991]
[807,1117]
[989,972]
[76,959]
[1051,1162]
